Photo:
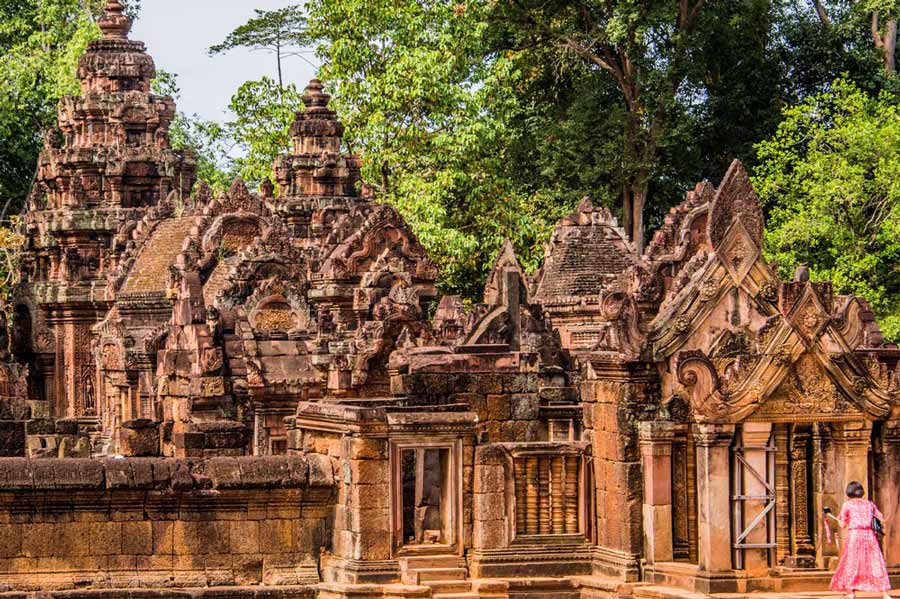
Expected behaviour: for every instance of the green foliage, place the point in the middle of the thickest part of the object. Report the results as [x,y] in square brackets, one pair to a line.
[209,139]
[430,114]
[40,44]
[262,114]
[479,124]
[280,32]
[829,181]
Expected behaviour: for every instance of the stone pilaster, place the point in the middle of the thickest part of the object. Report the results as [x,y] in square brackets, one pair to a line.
[755,437]
[656,459]
[713,443]
[803,551]
[612,395]
[851,444]
[887,492]
[782,493]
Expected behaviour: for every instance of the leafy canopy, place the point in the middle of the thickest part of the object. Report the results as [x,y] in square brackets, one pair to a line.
[828,179]
[40,44]
[430,115]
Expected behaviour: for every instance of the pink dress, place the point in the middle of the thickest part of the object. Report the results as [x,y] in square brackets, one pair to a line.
[862,566]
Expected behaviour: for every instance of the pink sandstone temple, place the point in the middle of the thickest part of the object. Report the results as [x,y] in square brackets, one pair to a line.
[263,395]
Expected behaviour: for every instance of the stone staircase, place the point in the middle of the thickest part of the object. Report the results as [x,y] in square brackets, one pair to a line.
[447,576]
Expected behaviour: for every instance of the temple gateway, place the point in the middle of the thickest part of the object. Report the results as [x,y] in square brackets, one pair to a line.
[264,395]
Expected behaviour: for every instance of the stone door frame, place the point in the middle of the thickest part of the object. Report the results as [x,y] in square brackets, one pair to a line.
[455,493]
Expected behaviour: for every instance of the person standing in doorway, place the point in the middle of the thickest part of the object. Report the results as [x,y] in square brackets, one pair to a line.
[862,566]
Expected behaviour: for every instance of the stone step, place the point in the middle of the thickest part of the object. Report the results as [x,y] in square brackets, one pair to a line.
[431,561]
[448,586]
[664,592]
[440,574]
[468,595]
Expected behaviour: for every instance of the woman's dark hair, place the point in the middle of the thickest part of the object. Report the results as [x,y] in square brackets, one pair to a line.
[855,490]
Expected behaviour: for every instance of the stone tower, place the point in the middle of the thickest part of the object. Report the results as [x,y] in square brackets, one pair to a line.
[107,163]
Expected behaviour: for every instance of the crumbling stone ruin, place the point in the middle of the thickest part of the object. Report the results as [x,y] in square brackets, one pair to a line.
[263,394]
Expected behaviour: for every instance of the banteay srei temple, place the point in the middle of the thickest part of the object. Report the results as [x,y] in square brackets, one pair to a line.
[264,395]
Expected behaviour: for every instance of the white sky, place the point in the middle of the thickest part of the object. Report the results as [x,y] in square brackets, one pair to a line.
[178,33]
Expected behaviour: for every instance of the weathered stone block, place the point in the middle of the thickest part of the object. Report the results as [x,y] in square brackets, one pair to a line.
[139,438]
[244,536]
[525,407]
[498,407]
[275,536]
[490,478]
[489,506]
[489,534]
[137,538]
[369,472]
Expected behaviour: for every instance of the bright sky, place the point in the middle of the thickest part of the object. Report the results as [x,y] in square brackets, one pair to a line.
[178,33]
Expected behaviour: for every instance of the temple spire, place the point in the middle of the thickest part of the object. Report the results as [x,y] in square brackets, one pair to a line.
[314,99]
[115,24]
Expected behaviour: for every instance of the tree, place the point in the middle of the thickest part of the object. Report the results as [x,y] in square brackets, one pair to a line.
[645,47]
[260,126]
[210,140]
[429,113]
[40,44]
[828,179]
[872,19]
[280,32]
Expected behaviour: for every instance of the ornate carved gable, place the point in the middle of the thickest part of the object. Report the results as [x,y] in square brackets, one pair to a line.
[808,307]
[807,392]
[505,295]
[269,259]
[741,344]
[738,363]
[506,260]
[374,238]
[720,281]
[735,201]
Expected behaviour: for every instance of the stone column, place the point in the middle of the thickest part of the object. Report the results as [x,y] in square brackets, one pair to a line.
[851,444]
[782,493]
[824,473]
[656,461]
[888,493]
[803,549]
[713,503]
[756,442]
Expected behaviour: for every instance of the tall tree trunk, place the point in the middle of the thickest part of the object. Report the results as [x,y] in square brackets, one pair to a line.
[280,78]
[890,48]
[638,199]
[823,15]
[627,209]
[886,41]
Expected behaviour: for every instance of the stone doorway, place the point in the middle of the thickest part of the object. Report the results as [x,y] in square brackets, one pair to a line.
[425,492]
[753,497]
[773,486]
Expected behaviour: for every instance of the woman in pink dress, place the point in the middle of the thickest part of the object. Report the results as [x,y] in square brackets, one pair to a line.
[862,566]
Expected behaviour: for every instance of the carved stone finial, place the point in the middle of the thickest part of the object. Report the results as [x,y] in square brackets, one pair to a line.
[314,98]
[115,24]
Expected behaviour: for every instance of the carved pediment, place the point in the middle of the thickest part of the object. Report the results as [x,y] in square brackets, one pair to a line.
[779,379]
[379,237]
[807,393]
[808,315]
[738,251]
[735,201]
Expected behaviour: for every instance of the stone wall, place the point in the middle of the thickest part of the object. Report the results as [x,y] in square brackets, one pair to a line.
[617,474]
[162,523]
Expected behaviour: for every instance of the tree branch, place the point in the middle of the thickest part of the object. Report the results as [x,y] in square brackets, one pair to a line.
[823,15]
